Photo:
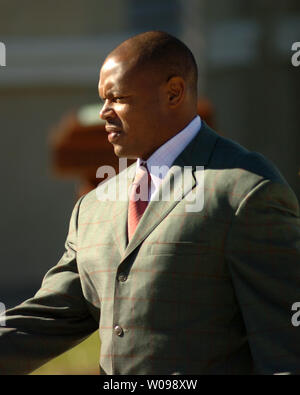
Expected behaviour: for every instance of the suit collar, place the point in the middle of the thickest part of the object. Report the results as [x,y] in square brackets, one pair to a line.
[200,149]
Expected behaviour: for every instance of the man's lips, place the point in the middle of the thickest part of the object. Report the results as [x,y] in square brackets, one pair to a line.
[113,133]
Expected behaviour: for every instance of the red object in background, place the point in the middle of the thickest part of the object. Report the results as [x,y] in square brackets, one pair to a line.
[79,145]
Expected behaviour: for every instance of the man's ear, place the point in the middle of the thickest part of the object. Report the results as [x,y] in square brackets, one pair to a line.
[176,87]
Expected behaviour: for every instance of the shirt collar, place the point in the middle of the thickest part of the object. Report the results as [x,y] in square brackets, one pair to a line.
[166,154]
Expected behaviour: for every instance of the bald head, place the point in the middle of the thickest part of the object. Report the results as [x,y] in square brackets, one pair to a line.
[149,88]
[161,53]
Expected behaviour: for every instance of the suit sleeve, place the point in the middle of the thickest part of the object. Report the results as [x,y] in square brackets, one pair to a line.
[54,320]
[263,254]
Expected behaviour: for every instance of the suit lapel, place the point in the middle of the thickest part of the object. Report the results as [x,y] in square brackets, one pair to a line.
[180,180]
[119,208]
[172,190]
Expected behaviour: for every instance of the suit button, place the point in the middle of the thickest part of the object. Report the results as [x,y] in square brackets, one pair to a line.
[118,330]
[122,277]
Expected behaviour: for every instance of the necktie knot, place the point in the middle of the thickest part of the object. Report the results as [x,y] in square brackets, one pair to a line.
[141,184]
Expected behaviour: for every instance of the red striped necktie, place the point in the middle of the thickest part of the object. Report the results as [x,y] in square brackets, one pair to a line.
[138,199]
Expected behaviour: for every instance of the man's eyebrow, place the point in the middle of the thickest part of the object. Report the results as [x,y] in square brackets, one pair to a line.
[108,94]
[113,93]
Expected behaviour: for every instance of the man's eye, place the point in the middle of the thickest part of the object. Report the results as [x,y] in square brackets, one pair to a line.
[119,98]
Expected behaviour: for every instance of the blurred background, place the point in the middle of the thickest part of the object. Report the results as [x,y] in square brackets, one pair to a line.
[52,141]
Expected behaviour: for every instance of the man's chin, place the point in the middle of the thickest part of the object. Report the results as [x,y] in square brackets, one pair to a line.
[120,152]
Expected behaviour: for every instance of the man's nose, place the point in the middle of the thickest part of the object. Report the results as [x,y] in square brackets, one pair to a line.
[106,111]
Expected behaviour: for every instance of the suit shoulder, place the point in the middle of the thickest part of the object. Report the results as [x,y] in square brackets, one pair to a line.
[236,171]
[93,196]
[232,156]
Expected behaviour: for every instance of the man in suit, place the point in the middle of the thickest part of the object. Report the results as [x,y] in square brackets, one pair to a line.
[172,290]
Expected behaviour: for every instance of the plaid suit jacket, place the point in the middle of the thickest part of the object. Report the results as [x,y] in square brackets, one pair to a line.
[207,292]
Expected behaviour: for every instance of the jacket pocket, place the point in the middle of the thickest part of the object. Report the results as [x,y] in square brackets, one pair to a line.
[177,248]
